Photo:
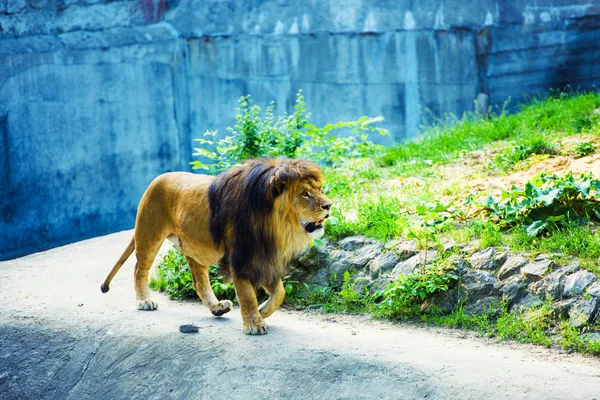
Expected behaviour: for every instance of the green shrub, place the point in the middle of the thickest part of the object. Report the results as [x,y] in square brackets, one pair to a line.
[404,296]
[583,149]
[548,202]
[291,136]
[173,276]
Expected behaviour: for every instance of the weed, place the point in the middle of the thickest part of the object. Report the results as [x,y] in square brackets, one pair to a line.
[173,276]
[583,149]
[548,202]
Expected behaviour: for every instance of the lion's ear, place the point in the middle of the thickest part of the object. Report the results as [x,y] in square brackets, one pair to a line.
[281,179]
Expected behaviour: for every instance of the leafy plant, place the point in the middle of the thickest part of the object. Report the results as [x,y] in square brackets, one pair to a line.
[404,296]
[537,144]
[291,136]
[547,202]
[173,276]
[583,149]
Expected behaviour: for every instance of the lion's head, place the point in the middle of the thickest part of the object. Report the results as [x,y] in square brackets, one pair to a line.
[265,212]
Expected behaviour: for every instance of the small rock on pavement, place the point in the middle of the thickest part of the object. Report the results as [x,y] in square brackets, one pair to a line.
[576,283]
[511,266]
[583,312]
[537,269]
[483,259]
[188,328]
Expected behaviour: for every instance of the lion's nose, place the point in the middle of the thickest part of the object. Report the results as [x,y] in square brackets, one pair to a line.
[326,206]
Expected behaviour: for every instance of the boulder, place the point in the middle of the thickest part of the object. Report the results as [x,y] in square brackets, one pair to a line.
[552,286]
[528,302]
[367,253]
[382,263]
[487,305]
[361,284]
[511,266]
[353,243]
[406,250]
[513,289]
[576,283]
[500,259]
[314,258]
[319,278]
[477,284]
[594,289]
[561,309]
[583,312]
[411,266]
[536,270]
[379,283]
[483,259]
[441,303]
[457,265]
[590,337]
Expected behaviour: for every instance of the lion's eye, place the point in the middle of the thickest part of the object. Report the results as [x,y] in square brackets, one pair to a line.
[305,195]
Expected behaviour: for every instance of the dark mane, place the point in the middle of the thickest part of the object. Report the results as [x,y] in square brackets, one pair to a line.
[241,204]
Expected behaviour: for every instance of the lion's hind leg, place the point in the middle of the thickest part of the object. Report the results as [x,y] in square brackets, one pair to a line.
[145,252]
[204,291]
[276,293]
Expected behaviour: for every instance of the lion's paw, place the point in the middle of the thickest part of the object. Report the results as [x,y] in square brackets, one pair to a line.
[147,305]
[258,327]
[222,307]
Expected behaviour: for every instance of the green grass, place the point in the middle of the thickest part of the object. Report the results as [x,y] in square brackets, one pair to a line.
[563,114]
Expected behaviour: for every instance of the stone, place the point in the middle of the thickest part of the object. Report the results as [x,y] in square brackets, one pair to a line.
[411,266]
[561,309]
[513,289]
[441,303]
[590,336]
[552,285]
[576,283]
[188,328]
[316,257]
[319,278]
[483,259]
[362,256]
[383,263]
[487,305]
[407,249]
[353,243]
[594,289]
[361,284]
[583,312]
[457,265]
[528,302]
[477,284]
[379,283]
[537,270]
[500,259]
[511,266]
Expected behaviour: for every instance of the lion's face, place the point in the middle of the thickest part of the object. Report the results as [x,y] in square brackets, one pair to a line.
[313,206]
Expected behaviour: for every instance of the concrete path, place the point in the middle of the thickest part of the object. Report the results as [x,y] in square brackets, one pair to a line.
[60,338]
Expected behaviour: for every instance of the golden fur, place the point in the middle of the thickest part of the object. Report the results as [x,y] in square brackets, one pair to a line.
[253,219]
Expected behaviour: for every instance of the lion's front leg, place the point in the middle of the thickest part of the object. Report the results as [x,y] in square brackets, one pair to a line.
[276,293]
[254,324]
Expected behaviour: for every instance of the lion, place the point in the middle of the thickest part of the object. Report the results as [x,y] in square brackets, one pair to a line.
[252,220]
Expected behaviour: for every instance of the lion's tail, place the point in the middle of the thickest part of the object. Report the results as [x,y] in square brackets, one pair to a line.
[105,286]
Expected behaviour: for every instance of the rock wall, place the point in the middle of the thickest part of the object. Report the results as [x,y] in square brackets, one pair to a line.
[98,97]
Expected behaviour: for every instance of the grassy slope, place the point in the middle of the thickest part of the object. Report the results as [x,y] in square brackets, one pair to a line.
[402,191]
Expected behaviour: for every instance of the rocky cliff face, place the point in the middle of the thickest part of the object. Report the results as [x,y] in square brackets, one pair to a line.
[97,97]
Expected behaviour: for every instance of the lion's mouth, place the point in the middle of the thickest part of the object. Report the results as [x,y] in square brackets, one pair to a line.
[313,226]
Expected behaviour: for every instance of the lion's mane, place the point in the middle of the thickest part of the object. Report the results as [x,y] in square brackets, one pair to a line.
[252,216]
